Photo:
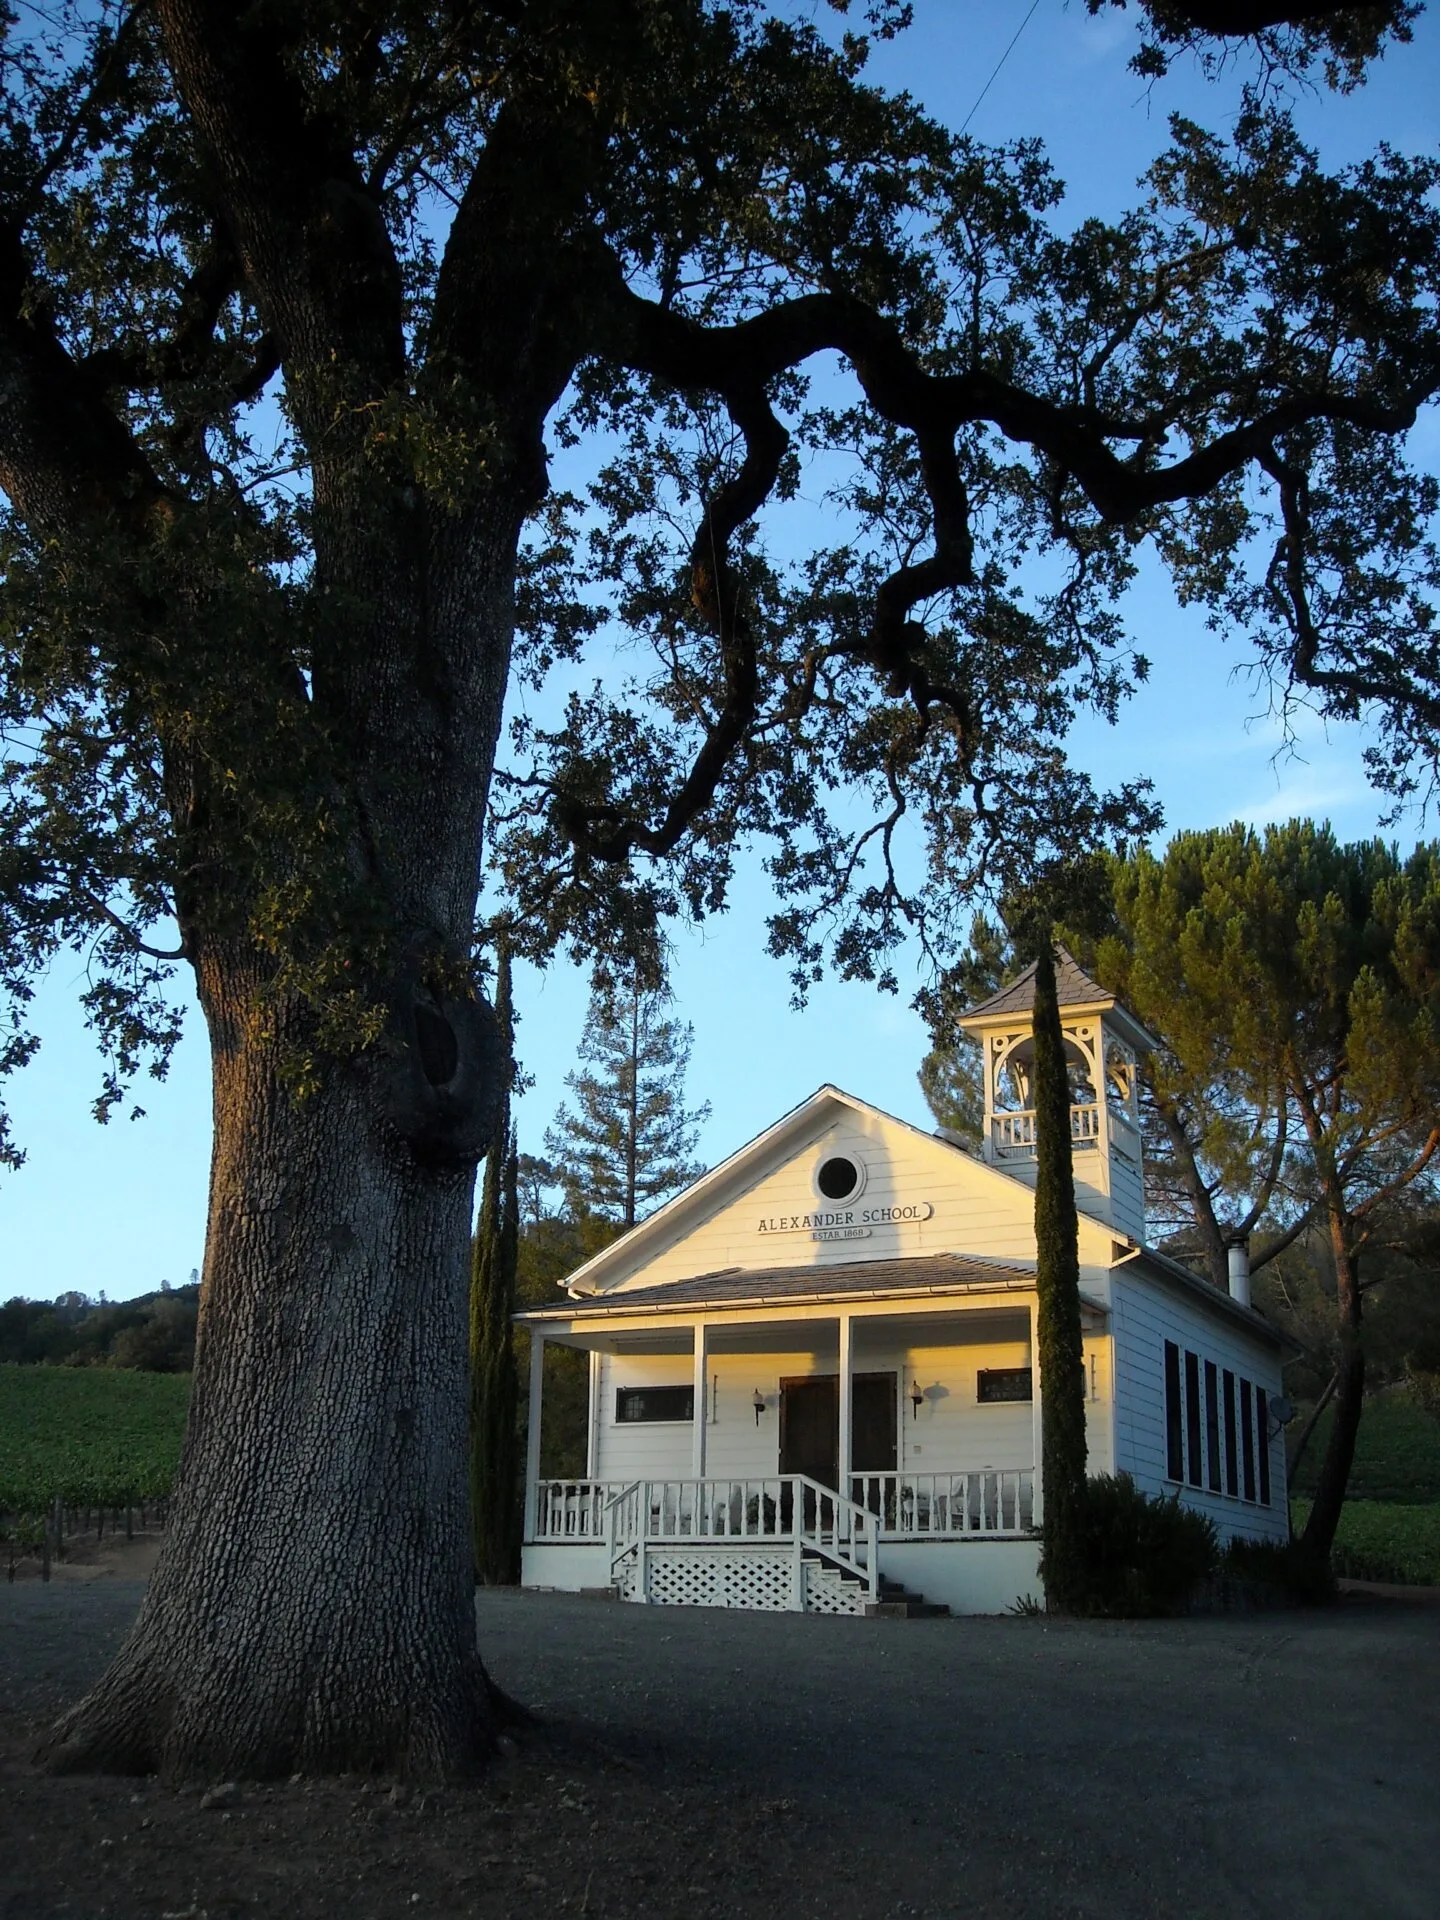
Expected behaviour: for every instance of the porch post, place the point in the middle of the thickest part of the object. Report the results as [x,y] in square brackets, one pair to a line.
[702,1399]
[532,1439]
[847,1407]
[592,1425]
[1037,1418]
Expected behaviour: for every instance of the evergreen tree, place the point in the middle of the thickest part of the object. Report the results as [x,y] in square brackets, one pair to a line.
[1060,1353]
[629,1139]
[495,1494]
[1290,964]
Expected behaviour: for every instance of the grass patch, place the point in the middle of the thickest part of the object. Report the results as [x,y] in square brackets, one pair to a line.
[1383,1540]
[1397,1452]
[96,1436]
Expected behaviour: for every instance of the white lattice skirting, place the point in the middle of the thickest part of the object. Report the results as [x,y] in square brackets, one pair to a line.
[759,1581]
[828,1591]
[684,1578]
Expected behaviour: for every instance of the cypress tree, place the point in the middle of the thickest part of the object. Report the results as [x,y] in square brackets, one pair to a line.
[495,1495]
[1057,1283]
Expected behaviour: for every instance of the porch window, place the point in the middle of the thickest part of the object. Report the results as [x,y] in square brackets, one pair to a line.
[994,1384]
[654,1403]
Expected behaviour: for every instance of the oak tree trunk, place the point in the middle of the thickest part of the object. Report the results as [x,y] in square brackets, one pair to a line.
[313,1606]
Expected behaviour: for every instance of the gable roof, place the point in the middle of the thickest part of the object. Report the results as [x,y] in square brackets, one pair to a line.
[1073,988]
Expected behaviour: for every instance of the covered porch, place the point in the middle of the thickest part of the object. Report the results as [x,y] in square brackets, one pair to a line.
[798,1453]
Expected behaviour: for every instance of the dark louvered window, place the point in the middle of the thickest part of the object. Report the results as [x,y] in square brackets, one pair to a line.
[1212,1426]
[1192,1416]
[1232,1455]
[1262,1441]
[1247,1438]
[1174,1415]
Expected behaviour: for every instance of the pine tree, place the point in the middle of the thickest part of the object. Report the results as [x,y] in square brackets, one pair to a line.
[1057,1284]
[629,1139]
[495,1498]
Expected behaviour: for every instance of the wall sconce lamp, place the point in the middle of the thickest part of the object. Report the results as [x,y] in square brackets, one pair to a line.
[759,1405]
[917,1398]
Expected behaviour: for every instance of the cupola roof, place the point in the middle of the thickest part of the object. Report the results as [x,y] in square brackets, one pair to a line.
[1073,988]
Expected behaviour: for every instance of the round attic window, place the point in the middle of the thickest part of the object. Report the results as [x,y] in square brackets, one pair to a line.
[840,1176]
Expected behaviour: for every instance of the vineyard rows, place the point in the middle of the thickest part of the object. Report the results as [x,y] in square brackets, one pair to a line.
[87,1436]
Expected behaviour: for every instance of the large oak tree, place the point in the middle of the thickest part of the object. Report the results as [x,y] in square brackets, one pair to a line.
[290,295]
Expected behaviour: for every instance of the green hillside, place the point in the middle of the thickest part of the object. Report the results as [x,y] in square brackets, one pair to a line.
[1397,1453]
[1383,1540]
[93,1435]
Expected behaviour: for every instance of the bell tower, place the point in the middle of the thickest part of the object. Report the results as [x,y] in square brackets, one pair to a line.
[1103,1045]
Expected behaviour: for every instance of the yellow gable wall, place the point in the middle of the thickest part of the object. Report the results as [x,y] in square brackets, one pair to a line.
[974,1210]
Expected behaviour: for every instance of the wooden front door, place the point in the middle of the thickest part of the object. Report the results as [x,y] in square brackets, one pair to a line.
[872,1434]
[810,1427]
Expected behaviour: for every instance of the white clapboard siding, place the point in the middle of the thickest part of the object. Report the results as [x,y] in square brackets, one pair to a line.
[1127,1193]
[976,1210]
[1146,1313]
[642,1449]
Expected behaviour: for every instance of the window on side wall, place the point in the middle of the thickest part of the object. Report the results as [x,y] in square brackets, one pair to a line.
[1262,1442]
[1174,1415]
[1232,1455]
[1192,1416]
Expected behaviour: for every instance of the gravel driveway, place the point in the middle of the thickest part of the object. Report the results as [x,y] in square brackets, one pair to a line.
[1278,1764]
[1275,1765]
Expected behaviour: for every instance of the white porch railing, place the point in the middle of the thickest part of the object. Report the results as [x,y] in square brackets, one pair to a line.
[1014,1133]
[993,1502]
[571,1509]
[998,1502]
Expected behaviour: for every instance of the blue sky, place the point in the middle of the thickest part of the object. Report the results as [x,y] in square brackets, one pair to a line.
[121,1208]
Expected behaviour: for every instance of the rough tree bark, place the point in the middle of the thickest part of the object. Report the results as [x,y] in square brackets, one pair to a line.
[313,1607]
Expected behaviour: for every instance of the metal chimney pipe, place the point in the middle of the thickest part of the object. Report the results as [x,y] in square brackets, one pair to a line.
[1239,1259]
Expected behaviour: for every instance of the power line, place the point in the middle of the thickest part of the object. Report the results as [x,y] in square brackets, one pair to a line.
[999,64]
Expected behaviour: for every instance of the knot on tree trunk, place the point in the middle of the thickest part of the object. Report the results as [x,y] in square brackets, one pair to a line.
[445,1065]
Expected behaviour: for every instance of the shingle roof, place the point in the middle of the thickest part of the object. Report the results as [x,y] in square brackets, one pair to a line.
[1073,988]
[746,1286]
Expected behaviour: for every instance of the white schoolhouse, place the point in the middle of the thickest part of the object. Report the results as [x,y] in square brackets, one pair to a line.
[812,1378]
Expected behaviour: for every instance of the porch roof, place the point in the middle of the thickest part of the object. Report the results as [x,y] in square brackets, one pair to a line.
[935,1273]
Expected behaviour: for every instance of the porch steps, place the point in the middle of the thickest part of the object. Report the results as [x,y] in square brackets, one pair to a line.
[896,1602]
[899,1603]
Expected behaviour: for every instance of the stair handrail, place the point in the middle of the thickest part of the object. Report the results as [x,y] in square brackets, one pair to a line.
[621,1542]
[861,1526]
